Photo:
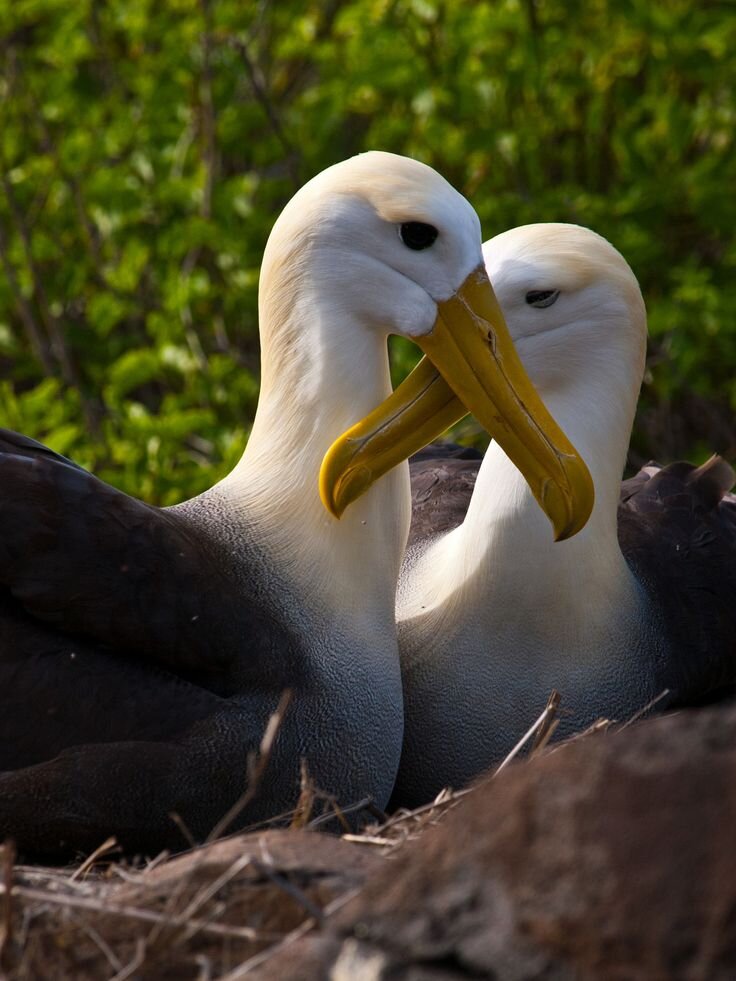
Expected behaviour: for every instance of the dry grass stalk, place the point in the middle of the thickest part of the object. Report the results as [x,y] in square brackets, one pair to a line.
[405,825]
[257,766]
[137,962]
[107,846]
[247,967]
[210,891]
[133,913]
[645,708]
[258,959]
[549,726]
[102,945]
[307,796]
[367,839]
[6,917]
[292,890]
[540,727]
[366,804]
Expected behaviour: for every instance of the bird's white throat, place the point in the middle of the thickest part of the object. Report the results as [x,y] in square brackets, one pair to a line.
[502,564]
[320,381]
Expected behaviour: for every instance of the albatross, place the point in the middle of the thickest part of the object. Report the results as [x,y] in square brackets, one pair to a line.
[493,613]
[143,650]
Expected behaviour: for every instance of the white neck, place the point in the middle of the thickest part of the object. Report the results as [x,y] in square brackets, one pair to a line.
[502,564]
[323,372]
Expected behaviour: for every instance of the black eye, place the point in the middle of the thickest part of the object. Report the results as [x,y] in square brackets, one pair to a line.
[541,298]
[416,235]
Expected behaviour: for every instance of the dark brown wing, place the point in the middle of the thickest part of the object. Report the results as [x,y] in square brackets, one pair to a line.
[677,530]
[442,481]
[57,691]
[91,561]
[136,673]
[94,743]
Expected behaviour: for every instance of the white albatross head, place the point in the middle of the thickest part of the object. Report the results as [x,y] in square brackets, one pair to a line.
[383,237]
[575,311]
[356,221]
[573,307]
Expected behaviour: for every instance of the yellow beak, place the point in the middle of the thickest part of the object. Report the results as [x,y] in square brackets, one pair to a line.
[471,365]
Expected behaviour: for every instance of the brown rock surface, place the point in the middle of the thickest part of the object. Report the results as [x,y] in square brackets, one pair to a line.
[613,858]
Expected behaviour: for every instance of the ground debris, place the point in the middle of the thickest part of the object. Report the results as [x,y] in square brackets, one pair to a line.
[200,914]
[292,903]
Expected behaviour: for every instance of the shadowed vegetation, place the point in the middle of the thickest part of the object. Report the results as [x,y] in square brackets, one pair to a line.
[146,148]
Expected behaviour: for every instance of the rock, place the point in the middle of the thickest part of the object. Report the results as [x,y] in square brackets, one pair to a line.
[612,857]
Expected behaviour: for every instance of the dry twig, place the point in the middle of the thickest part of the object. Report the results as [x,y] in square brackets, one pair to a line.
[644,709]
[136,913]
[6,918]
[257,765]
[104,849]
[540,725]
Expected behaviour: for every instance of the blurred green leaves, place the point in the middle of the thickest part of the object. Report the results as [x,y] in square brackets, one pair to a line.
[146,149]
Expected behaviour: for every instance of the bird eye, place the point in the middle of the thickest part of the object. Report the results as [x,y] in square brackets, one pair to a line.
[541,298]
[416,235]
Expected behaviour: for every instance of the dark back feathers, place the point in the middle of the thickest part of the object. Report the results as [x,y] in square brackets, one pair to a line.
[93,562]
[677,530]
[442,481]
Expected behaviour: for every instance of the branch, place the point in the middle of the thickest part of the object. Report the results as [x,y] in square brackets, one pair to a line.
[257,765]
[91,233]
[258,86]
[208,124]
[37,341]
[54,332]
[209,119]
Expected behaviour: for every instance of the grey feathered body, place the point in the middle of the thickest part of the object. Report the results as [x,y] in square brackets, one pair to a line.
[142,652]
[469,698]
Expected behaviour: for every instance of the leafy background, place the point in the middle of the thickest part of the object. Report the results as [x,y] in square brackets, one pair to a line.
[146,148]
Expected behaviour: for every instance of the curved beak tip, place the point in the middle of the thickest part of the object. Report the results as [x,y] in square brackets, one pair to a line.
[561,534]
[328,494]
[569,507]
[332,475]
[341,480]
[332,508]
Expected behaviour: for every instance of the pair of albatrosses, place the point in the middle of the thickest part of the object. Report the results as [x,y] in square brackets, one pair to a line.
[142,651]
[492,614]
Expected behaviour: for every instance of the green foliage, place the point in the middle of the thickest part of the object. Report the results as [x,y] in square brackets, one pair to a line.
[145,150]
